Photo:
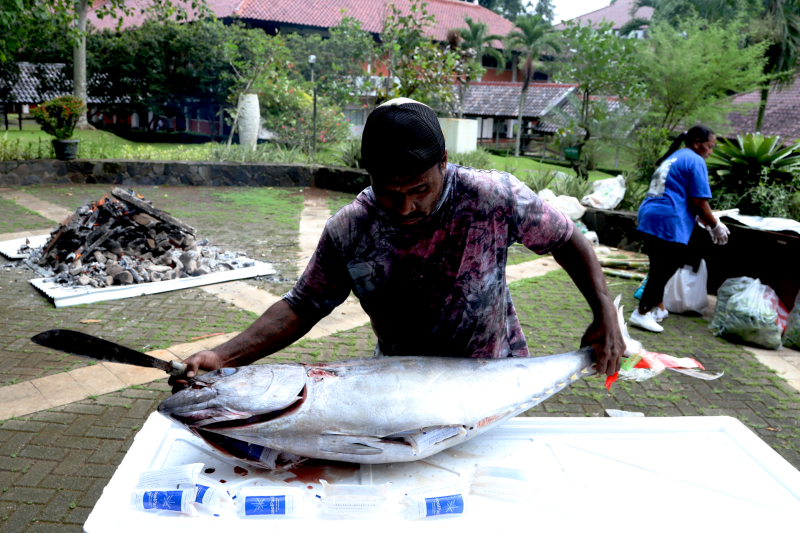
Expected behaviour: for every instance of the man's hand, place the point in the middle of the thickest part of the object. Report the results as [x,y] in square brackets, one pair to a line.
[207,360]
[609,346]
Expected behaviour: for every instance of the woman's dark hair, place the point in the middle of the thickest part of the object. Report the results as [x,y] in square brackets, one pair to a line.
[695,134]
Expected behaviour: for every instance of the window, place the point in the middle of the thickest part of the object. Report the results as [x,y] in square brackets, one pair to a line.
[354,116]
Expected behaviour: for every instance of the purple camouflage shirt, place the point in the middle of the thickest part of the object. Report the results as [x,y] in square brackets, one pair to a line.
[437,287]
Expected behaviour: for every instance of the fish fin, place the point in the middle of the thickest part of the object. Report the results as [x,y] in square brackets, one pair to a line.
[349,445]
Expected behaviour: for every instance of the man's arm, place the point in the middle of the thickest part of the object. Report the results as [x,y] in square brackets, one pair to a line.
[577,257]
[276,329]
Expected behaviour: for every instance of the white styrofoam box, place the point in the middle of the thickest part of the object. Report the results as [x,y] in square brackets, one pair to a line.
[460,134]
[621,474]
[64,296]
[10,248]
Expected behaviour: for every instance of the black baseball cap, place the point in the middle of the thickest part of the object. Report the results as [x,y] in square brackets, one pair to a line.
[402,137]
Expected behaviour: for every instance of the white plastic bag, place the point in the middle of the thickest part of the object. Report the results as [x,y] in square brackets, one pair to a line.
[686,290]
[569,205]
[749,311]
[607,194]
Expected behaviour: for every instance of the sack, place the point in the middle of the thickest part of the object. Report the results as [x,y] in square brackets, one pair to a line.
[569,205]
[640,291]
[747,310]
[791,337]
[608,193]
[686,290]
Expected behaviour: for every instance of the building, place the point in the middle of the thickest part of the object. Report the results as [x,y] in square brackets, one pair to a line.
[781,116]
[618,14]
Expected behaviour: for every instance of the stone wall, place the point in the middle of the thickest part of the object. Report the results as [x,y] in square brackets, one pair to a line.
[46,171]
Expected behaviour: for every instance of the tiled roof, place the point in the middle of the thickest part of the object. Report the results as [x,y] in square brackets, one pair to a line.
[327,13]
[781,116]
[28,89]
[617,13]
[501,99]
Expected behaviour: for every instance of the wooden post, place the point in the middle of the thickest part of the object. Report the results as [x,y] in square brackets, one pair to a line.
[5,114]
[20,117]
[544,147]
[211,122]
[497,135]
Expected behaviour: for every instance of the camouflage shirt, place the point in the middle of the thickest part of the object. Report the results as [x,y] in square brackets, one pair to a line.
[437,287]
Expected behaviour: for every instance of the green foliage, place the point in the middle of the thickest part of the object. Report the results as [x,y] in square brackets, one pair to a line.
[567,185]
[753,159]
[538,180]
[471,44]
[350,152]
[479,158]
[693,67]
[59,116]
[649,144]
[635,192]
[423,69]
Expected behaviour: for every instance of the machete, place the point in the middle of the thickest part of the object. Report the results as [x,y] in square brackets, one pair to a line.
[83,345]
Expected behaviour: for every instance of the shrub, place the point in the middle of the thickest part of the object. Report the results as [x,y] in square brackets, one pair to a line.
[538,180]
[350,152]
[479,158]
[59,116]
[753,159]
[649,144]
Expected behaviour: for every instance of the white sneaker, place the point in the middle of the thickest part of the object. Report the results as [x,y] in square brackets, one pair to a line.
[645,321]
[659,314]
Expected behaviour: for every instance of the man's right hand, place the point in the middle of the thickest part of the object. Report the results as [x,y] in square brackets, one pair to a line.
[207,360]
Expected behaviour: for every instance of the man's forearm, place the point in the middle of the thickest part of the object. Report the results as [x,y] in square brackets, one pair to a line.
[276,329]
[578,259]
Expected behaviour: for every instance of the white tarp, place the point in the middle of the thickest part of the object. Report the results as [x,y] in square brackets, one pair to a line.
[768,224]
[64,296]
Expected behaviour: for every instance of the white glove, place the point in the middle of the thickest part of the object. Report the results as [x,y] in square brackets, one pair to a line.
[719,233]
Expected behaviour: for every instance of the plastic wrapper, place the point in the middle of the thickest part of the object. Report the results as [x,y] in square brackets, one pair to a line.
[176,501]
[353,501]
[436,501]
[747,310]
[606,194]
[791,337]
[271,502]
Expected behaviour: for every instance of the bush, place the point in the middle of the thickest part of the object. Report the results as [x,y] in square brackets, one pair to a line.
[350,152]
[479,158]
[538,180]
[649,144]
[635,191]
[59,116]
[751,160]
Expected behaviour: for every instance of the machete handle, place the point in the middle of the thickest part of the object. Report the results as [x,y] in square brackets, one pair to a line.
[178,369]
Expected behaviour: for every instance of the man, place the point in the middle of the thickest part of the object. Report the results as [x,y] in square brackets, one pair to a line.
[424,249]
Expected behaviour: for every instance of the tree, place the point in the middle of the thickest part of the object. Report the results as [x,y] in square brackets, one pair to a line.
[546,9]
[424,70]
[472,44]
[510,9]
[602,64]
[694,67]
[530,38]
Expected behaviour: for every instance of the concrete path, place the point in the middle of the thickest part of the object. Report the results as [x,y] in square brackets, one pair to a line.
[46,209]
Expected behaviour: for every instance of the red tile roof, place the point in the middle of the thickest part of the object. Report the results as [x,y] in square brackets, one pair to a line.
[781,117]
[327,13]
[501,99]
[617,13]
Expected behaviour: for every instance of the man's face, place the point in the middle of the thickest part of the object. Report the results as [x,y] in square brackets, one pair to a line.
[409,199]
[704,149]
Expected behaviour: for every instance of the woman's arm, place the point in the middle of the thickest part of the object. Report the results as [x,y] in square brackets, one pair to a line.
[703,211]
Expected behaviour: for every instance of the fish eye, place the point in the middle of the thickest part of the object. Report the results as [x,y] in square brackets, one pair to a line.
[227,371]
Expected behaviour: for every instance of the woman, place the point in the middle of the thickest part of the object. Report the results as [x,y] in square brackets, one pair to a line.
[679,193]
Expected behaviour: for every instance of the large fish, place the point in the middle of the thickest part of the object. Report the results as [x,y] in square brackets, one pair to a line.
[379,410]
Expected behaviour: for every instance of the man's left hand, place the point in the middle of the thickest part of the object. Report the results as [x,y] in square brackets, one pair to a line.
[609,346]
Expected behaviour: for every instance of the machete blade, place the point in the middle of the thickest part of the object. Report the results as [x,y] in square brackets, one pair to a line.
[83,345]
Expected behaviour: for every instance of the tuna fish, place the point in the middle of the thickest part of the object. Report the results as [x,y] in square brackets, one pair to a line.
[378,410]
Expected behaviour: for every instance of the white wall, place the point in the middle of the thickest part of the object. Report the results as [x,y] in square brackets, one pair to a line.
[460,134]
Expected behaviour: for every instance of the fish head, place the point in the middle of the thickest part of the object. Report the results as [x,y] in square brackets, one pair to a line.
[241,394]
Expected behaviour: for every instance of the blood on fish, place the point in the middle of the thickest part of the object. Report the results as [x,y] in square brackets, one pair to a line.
[210,470]
[239,470]
[222,481]
[313,470]
[310,487]
[318,375]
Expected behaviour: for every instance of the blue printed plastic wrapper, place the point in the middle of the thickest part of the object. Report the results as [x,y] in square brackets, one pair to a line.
[176,501]
[436,501]
[271,502]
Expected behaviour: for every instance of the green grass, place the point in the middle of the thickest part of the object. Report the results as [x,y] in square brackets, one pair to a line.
[517,166]
[279,206]
[337,200]
[14,218]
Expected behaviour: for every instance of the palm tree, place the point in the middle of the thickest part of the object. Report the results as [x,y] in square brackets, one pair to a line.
[531,37]
[783,54]
[477,44]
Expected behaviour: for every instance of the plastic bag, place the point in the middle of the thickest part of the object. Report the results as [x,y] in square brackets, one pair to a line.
[686,290]
[569,205]
[607,193]
[791,337]
[747,310]
[436,501]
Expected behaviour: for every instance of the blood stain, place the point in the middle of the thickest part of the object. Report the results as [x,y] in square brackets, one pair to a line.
[315,469]
[210,470]
[310,487]
[239,470]
[222,481]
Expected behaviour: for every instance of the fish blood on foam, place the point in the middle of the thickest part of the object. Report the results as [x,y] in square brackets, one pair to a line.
[210,494]
[169,489]
[271,502]
[353,501]
[505,483]
[436,501]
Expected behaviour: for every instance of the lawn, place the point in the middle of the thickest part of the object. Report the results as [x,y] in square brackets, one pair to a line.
[518,165]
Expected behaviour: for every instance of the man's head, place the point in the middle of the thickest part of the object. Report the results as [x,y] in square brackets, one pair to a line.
[403,150]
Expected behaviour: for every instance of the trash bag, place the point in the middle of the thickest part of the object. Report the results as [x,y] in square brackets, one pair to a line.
[686,290]
[747,310]
[640,291]
[791,337]
[607,193]
[569,205]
